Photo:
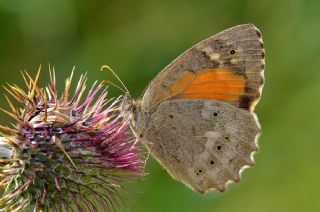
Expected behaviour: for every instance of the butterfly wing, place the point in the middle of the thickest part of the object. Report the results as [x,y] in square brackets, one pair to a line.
[196,115]
[227,67]
[203,143]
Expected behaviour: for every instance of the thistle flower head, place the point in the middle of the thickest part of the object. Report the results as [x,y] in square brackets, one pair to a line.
[65,153]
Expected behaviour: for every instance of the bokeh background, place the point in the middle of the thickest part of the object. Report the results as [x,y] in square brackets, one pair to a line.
[137,38]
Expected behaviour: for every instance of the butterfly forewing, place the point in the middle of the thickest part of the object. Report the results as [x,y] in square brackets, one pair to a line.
[227,67]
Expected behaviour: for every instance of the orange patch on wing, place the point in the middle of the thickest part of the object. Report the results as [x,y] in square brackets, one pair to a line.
[181,83]
[218,84]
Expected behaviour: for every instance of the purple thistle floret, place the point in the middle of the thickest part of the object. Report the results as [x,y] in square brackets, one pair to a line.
[63,154]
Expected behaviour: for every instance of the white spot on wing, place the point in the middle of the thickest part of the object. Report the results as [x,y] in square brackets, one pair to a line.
[234,61]
[215,56]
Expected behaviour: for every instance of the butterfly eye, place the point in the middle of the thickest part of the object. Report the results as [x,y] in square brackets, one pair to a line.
[133,107]
[232,51]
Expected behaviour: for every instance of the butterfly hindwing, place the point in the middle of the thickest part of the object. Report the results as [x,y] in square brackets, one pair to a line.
[203,143]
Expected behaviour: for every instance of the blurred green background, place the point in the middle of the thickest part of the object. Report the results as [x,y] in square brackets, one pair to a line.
[137,38]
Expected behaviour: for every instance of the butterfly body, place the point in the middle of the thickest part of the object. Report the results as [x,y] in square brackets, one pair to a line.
[196,117]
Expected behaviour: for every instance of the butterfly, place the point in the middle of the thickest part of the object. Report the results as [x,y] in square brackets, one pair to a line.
[196,116]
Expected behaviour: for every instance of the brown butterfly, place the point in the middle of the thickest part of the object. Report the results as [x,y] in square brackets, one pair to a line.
[196,116]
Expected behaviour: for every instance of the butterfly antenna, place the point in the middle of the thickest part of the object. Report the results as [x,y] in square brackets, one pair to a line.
[125,90]
[115,85]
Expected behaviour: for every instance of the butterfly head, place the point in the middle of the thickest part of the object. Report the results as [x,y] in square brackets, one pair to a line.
[127,103]
[132,110]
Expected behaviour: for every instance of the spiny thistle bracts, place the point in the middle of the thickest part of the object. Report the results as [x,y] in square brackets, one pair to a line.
[62,154]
